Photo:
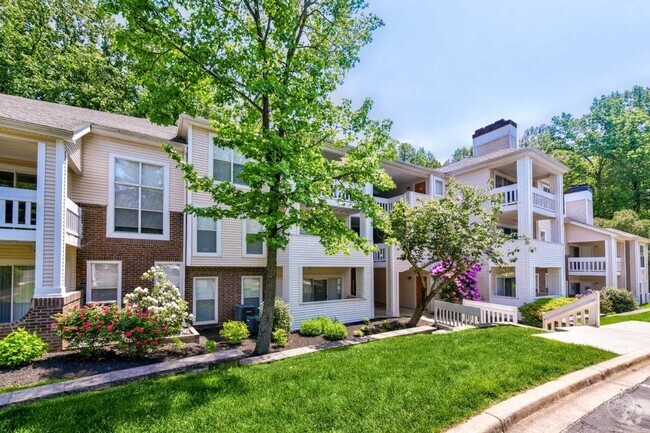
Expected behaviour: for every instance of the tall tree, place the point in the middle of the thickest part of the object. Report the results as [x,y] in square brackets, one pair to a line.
[263,72]
[419,156]
[607,148]
[461,153]
[63,51]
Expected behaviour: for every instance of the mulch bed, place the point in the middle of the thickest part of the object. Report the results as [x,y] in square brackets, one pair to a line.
[71,365]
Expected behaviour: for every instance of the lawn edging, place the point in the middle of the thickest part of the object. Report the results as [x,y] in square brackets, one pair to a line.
[277,356]
[501,416]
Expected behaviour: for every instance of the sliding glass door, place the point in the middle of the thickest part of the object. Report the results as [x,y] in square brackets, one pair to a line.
[16,292]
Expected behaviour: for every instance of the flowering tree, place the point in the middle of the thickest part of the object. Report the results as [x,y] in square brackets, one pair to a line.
[465,286]
[452,233]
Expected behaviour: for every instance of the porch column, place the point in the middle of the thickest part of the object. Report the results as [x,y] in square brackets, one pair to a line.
[558,224]
[392,282]
[51,213]
[525,196]
[610,262]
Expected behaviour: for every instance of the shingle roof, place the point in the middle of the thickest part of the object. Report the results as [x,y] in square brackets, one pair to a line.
[72,119]
[470,162]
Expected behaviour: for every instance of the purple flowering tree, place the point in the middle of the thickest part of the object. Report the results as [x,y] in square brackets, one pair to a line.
[465,286]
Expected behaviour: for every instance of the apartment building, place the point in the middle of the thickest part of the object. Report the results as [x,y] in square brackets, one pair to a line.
[89,201]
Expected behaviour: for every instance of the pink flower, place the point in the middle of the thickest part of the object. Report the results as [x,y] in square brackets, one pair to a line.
[87,325]
[110,328]
[53,325]
[128,334]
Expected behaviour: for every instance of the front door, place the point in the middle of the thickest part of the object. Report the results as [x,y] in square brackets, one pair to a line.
[421,187]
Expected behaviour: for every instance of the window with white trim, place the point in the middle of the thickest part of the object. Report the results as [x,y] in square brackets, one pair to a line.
[139,197]
[355,224]
[205,300]
[251,290]
[207,236]
[252,247]
[438,187]
[642,255]
[14,179]
[227,164]
[543,235]
[500,181]
[104,281]
[506,286]
[175,274]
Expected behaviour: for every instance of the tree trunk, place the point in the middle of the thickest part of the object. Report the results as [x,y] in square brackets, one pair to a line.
[268,297]
[435,288]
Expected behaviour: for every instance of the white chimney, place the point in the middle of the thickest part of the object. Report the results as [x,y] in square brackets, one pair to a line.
[579,204]
[499,135]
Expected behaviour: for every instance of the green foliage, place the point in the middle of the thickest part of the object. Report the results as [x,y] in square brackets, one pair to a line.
[621,300]
[90,328]
[386,325]
[407,153]
[334,331]
[358,333]
[608,149]
[365,329]
[63,51]
[234,332]
[210,346]
[315,326]
[280,337]
[282,318]
[628,221]
[20,348]
[177,345]
[366,320]
[531,313]
[461,153]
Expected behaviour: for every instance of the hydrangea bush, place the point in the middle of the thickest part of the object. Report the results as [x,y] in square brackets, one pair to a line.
[464,287]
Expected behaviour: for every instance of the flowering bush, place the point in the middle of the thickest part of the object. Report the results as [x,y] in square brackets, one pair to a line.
[88,328]
[465,286]
[140,331]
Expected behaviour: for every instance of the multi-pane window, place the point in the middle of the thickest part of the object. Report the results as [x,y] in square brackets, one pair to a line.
[251,290]
[205,300]
[104,281]
[227,164]
[207,236]
[139,203]
[16,292]
[253,247]
[355,224]
[10,179]
[321,289]
[506,286]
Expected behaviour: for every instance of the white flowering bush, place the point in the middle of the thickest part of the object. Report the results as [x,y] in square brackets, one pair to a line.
[163,301]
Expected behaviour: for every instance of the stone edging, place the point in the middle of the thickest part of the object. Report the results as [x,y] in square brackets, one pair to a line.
[500,417]
[290,353]
[106,380]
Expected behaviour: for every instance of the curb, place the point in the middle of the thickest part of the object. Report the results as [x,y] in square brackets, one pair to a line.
[500,417]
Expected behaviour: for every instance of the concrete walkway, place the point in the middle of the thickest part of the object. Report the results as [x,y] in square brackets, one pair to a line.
[621,338]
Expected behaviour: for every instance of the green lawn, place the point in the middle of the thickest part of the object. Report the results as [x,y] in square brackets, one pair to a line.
[641,317]
[415,383]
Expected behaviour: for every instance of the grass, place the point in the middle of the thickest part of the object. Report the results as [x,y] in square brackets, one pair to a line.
[415,383]
[641,317]
[32,385]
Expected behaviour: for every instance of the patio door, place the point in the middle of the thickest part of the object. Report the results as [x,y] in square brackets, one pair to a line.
[5,294]
[16,292]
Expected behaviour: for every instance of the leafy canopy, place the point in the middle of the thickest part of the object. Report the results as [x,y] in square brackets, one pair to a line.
[420,156]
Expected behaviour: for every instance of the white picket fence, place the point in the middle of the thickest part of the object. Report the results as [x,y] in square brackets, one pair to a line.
[494,313]
[455,315]
[584,311]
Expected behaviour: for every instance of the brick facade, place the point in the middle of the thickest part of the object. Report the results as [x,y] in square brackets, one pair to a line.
[136,255]
[229,290]
[39,318]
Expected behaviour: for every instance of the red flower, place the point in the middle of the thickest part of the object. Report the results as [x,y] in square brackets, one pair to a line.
[155,342]
[128,334]
[110,328]
[87,325]
[137,343]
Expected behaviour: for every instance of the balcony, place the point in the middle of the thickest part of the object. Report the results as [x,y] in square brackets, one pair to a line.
[542,201]
[17,214]
[410,197]
[380,255]
[594,266]
[73,228]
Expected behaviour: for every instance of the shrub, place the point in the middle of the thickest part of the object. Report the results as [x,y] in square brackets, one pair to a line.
[365,329]
[140,331]
[280,337]
[531,313]
[282,318]
[358,333]
[20,347]
[386,325]
[89,328]
[313,327]
[177,345]
[335,331]
[366,321]
[621,300]
[210,346]
[234,332]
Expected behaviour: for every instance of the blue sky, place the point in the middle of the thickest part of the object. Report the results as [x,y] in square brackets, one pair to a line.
[441,69]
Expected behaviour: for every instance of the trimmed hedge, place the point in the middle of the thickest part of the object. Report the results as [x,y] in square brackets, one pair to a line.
[531,313]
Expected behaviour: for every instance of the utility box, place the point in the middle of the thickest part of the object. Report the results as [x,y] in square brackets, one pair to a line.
[243,311]
[253,324]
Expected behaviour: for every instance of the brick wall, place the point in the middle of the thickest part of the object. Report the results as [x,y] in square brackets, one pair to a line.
[39,318]
[229,290]
[137,255]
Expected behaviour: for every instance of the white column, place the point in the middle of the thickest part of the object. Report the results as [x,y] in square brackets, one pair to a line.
[392,282]
[40,218]
[431,185]
[525,196]
[559,209]
[610,262]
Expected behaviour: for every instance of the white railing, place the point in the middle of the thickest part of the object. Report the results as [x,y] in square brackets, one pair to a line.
[543,199]
[411,197]
[494,313]
[380,255]
[619,265]
[508,194]
[72,218]
[588,265]
[414,198]
[644,298]
[17,208]
[584,311]
[455,315]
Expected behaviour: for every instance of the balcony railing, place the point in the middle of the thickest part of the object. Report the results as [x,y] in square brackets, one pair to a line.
[17,209]
[591,265]
[544,200]
[411,197]
[73,219]
[379,256]
[508,194]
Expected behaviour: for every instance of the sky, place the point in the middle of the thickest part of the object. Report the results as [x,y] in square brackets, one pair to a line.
[441,69]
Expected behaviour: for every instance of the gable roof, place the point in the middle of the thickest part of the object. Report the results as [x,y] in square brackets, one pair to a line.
[607,231]
[66,120]
[471,163]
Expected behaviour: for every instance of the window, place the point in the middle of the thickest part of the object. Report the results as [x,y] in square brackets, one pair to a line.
[16,292]
[104,282]
[545,187]
[353,282]
[205,300]
[438,187]
[139,199]
[500,181]
[227,164]
[642,255]
[508,230]
[355,224]
[321,289]
[574,251]
[207,236]
[252,247]
[543,235]
[251,290]
[506,286]
[10,179]
[574,288]
[175,274]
